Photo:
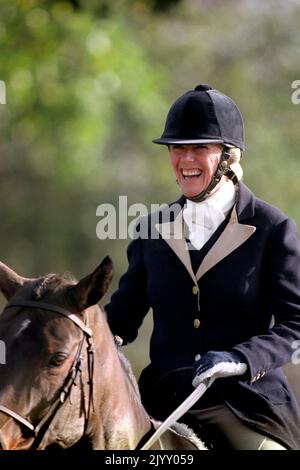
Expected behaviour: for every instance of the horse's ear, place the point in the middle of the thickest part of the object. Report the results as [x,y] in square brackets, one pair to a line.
[89,290]
[10,281]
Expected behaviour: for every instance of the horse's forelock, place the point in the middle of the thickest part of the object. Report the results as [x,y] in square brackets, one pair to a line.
[50,282]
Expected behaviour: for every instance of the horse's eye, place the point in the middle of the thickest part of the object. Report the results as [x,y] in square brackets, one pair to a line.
[57,359]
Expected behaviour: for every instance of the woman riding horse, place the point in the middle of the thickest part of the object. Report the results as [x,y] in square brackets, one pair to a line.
[222,276]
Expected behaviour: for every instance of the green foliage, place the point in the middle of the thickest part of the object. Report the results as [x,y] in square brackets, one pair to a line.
[69,78]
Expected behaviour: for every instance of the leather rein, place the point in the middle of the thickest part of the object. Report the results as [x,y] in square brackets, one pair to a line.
[39,430]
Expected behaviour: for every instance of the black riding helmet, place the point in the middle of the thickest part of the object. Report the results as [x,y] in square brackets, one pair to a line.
[205,116]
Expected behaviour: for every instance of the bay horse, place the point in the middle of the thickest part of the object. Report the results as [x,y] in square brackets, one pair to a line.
[64,380]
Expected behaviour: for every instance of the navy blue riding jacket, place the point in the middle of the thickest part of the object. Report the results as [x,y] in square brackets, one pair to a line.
[241,292]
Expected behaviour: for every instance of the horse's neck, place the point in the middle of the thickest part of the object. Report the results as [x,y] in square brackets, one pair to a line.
[122,418]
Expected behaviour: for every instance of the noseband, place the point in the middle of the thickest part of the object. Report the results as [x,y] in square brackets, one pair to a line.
[40,429]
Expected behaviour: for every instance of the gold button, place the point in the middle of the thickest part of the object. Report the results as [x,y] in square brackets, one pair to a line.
[195,290]
[197,323]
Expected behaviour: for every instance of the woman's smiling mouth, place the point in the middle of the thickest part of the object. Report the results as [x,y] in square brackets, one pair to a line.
[191,173]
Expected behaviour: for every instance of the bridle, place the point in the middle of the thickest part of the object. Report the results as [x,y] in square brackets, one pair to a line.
[222,169]
[75,372]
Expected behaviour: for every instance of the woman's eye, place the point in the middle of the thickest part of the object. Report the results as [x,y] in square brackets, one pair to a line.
[177,149]
[57,359]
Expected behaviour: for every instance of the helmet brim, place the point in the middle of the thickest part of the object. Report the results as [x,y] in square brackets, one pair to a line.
[164,141]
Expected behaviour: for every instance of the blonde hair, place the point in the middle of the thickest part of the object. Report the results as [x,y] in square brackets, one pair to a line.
[233,162]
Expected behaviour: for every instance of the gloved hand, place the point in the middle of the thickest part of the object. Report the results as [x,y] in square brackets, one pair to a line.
[218,364]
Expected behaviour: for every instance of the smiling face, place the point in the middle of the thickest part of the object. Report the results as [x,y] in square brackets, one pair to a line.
[194,166]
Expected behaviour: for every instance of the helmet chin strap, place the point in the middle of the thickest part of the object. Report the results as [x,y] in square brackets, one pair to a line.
[221,170]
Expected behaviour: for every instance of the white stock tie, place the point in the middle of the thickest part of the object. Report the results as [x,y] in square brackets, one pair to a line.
[203,218]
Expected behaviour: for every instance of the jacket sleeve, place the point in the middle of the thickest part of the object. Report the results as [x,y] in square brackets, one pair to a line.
[276,347]
[129,304]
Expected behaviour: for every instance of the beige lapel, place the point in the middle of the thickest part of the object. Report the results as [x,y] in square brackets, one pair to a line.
[233,236]
[173,234]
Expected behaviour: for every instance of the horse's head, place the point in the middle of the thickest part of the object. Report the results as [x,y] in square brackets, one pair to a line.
[45,336]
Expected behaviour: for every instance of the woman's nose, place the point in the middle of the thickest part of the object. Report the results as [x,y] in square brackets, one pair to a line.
[189,155]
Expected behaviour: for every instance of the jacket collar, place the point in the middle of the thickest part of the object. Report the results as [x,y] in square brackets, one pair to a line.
[245,203]
[233,236]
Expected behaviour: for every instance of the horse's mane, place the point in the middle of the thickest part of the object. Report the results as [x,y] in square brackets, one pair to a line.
[128,369]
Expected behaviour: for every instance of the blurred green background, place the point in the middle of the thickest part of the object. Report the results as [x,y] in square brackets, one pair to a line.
[88,86]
